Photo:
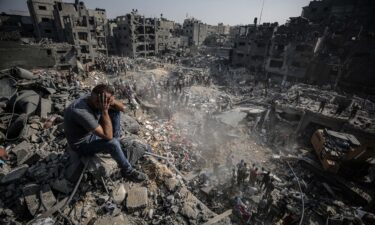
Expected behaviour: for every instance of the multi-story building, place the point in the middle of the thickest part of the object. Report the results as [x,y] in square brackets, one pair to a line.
[111,39]
[136,35]
[13,27]
[164,30]
[195,30]
[73,23]
[41,12]
[292,49]
[251,46]
[223,29]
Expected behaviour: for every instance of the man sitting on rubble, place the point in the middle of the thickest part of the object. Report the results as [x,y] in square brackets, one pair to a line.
[92,125]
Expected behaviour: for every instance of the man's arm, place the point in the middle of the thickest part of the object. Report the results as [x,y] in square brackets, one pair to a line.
[117,105]
[104,130]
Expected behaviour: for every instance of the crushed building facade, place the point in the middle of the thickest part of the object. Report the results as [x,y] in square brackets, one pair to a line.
[251,46]
[136,35]
[72,23]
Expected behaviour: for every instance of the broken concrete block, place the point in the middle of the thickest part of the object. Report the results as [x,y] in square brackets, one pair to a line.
[101,165]
[171,184]
[15,174]
[130,124]
[35,138]
[45,107]
[47,197]
[118,220]
[189,212]
[21,146]
[31,192]
[27,157]
[119,194]
[137,198]
[38,198]
[62,186]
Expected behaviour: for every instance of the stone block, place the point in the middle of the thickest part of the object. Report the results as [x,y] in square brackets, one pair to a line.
[31,192]
[101,165]
[137,198]
[117,220]
[62,185]
[47,197]
[21,146]
[28,157]
[15,174]
[38,198]
[45,107]
[189,212]
[172,184]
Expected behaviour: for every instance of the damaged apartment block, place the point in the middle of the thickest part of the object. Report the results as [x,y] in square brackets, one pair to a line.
[72,23]
[136,35]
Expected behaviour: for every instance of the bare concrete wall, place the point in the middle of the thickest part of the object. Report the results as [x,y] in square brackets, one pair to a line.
[26,56]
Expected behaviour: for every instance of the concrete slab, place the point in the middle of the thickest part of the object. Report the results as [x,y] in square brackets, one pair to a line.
[31,192]
[45,107]
[15,174]
[47,197]
[137,198]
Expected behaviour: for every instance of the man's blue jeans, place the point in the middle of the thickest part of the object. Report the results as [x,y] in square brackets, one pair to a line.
[113,147]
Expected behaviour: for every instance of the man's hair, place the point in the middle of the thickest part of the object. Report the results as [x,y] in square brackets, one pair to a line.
[101,88]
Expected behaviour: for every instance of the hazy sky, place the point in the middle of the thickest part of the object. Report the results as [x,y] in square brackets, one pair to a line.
[230,12]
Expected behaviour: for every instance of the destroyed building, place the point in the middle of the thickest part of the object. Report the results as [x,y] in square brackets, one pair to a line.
[136,35]
[13,27]
[223,29]
[349,27]
[164,29]
[323,46]
[291,49]
[195,30]
[73,23]
[251,46]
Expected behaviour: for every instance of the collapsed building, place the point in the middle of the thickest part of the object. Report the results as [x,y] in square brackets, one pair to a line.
[251,46]
[73,23]
[138,36]
[323,46]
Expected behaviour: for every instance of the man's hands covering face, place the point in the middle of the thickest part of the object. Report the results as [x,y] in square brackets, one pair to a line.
[105,101]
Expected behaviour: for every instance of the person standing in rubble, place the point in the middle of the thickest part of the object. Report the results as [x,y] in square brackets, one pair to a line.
[354,111]
[322,105]
[253,175]
[240,172]
[260,176]
[92,125]
[234,177]
[297,99]
[340,109]
[269,188]
[266,180]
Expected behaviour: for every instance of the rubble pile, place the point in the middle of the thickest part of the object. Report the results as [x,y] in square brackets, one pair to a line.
[214,155]
[40,174]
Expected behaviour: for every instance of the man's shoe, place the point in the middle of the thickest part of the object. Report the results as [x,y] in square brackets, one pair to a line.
[136,175]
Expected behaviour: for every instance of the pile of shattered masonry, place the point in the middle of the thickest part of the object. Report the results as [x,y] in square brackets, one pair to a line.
[43,182]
